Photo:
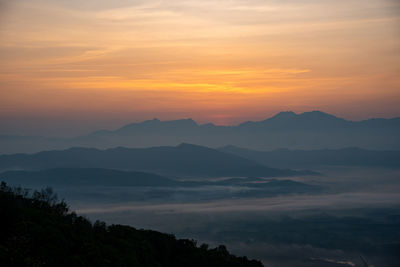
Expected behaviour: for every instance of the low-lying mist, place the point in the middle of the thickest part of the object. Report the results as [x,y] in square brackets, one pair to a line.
[356,213]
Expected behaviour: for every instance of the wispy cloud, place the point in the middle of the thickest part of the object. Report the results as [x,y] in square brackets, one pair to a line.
[313,52]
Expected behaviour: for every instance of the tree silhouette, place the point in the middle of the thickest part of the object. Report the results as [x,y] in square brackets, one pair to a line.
[39,230]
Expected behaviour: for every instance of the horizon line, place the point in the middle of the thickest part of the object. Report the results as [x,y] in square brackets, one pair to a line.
[201,124]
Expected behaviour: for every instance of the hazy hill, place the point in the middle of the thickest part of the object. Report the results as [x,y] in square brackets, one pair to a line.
[308,130]
[175,126]
[286,158]
[108,177]
[85,177]
[37,230]
[182,160]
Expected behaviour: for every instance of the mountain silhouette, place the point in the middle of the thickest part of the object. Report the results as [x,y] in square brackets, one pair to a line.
[155,124]
[182,160]
[106,177]
[314,120]
[306,131]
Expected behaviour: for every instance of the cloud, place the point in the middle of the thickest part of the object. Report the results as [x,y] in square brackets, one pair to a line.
[232,54]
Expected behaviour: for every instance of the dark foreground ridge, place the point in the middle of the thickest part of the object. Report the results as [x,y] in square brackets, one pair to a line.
[39,230]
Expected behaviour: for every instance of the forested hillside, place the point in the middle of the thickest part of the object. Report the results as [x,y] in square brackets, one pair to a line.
[39,230]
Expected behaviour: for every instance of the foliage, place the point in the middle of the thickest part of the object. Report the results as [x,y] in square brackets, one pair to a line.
[39,230]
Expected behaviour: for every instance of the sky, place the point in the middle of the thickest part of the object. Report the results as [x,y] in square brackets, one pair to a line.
[68,67]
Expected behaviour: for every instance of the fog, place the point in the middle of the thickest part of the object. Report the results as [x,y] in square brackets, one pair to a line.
[357,213]
[341,217]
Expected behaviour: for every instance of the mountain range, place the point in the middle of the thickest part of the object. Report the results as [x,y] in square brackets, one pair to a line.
[308,130]
[184,160]
[106,177]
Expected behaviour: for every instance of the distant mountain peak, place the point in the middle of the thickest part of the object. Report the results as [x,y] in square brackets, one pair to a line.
[307,114]
[180,121]
[188,123]
[156,124]
[190,120]
[185,145]
[191,146]
[317,114]
[284,114]
[153,121]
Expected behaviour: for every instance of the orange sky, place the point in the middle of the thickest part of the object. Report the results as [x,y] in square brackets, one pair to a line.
[88,64]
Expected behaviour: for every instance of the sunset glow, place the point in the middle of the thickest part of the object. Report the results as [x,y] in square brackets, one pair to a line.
[225,61]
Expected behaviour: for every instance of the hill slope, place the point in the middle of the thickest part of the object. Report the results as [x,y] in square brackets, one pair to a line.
[40,231]
[185,159]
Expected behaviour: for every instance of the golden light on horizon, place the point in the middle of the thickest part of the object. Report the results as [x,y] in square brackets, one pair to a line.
[205,59]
